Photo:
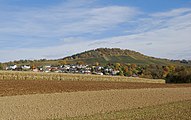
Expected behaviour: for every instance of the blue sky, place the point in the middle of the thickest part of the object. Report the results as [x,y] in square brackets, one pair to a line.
[35,29]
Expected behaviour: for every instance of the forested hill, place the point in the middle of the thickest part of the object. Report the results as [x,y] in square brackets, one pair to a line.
[103,56]
[115,55]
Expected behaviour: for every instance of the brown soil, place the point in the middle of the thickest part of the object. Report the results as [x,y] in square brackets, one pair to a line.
[23,87]
[170,111]
[61,105]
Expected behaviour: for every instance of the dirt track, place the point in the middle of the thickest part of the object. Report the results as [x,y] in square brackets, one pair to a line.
[23,87]
[59,105]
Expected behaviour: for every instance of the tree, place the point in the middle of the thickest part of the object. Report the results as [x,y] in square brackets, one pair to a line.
[96,63]
[1,66]
[133,66]
[171,68]
[80,63]
[153,71]
[126,69]
[33,66]
[180,75]
[117,66]
[166,71]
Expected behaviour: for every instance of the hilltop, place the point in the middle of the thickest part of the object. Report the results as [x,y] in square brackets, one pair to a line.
[115,55]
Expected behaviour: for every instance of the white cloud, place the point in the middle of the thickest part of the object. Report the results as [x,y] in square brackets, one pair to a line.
[25,30]
[164,34]
[165,43]
[167,37]
[65,19]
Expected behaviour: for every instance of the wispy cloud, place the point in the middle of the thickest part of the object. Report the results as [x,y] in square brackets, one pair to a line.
[172,13]
[170,37]
[79,25]
[55,24]
[65,20]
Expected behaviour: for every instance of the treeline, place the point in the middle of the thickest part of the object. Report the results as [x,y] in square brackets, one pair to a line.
[172,74]
[25,61]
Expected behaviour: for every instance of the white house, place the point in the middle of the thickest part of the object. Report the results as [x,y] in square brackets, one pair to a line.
[25,67]
[99,73]
[11,67]
[115,72]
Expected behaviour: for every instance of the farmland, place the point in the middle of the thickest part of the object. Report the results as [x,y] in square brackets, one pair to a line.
[23,87]
[72,104]
[33,96]
[171,111]
[15,75]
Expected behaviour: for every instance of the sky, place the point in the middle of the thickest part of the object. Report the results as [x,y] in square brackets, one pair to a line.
[52,29]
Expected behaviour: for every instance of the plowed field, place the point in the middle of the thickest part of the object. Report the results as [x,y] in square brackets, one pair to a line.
[23,87]
[61,105]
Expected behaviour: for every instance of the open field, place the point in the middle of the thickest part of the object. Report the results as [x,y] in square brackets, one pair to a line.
[15,75]
[37,96]
[23,87]
[72,104]
[170,111]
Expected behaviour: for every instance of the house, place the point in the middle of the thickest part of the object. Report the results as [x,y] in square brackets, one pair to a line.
[25,67]
[108,70]
[99,73]
[87,72]
[99,68]
[11,67]
[115,72]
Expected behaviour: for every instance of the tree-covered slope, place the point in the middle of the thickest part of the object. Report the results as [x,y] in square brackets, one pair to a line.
[116,55]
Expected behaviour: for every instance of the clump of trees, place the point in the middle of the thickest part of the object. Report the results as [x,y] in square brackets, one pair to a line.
[179,75]
[172,74]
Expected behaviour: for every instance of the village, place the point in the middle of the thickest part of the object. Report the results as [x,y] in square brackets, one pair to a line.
[75,69]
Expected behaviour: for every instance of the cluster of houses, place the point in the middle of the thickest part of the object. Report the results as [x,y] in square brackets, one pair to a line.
[79,69]
[15,67]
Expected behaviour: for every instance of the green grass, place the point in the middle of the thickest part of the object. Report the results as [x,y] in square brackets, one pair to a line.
[172,111]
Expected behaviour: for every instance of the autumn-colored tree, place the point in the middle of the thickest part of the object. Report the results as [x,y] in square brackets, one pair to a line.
[96,64]
[126,69]
[117,66]
[133,66]
[166,71]
[80,63]
[33,66]
[180,75]
[153,71]
[171,68]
